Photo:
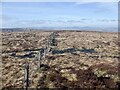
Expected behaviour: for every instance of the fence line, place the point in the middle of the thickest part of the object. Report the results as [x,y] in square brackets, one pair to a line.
[50,44]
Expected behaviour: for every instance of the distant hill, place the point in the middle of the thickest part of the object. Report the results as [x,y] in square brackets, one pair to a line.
[15,29]
[110,29]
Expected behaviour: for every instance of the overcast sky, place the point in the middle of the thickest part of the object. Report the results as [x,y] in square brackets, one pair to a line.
[60,14]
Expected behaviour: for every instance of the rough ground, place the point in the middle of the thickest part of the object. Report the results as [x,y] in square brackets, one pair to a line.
[80,60]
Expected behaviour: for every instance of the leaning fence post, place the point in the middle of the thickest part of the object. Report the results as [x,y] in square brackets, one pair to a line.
[39,58]
[44,53]
[26,77]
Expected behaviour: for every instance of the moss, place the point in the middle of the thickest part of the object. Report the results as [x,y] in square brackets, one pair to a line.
[116,78]
[102,73]
[70,77]
[99,72]
[38,70]
[50,84]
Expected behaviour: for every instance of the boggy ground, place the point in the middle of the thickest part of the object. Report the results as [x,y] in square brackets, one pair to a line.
[76,79]
[80,60]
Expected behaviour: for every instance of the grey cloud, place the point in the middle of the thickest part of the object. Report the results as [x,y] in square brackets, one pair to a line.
[75,21]
[84,19]
[107,20]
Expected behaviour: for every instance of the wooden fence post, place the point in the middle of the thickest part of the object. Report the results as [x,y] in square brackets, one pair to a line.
[39,58]
[26,77]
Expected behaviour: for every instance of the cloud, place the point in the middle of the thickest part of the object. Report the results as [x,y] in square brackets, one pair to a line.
[75,21]
[59,0]
[101,7]
[106,20]
[43,23]
[57,23]
[104,7]
[91,1]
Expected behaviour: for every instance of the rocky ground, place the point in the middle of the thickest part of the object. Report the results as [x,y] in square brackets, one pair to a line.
[80,60]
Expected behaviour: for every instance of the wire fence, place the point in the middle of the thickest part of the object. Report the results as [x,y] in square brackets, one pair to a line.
[51,42]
